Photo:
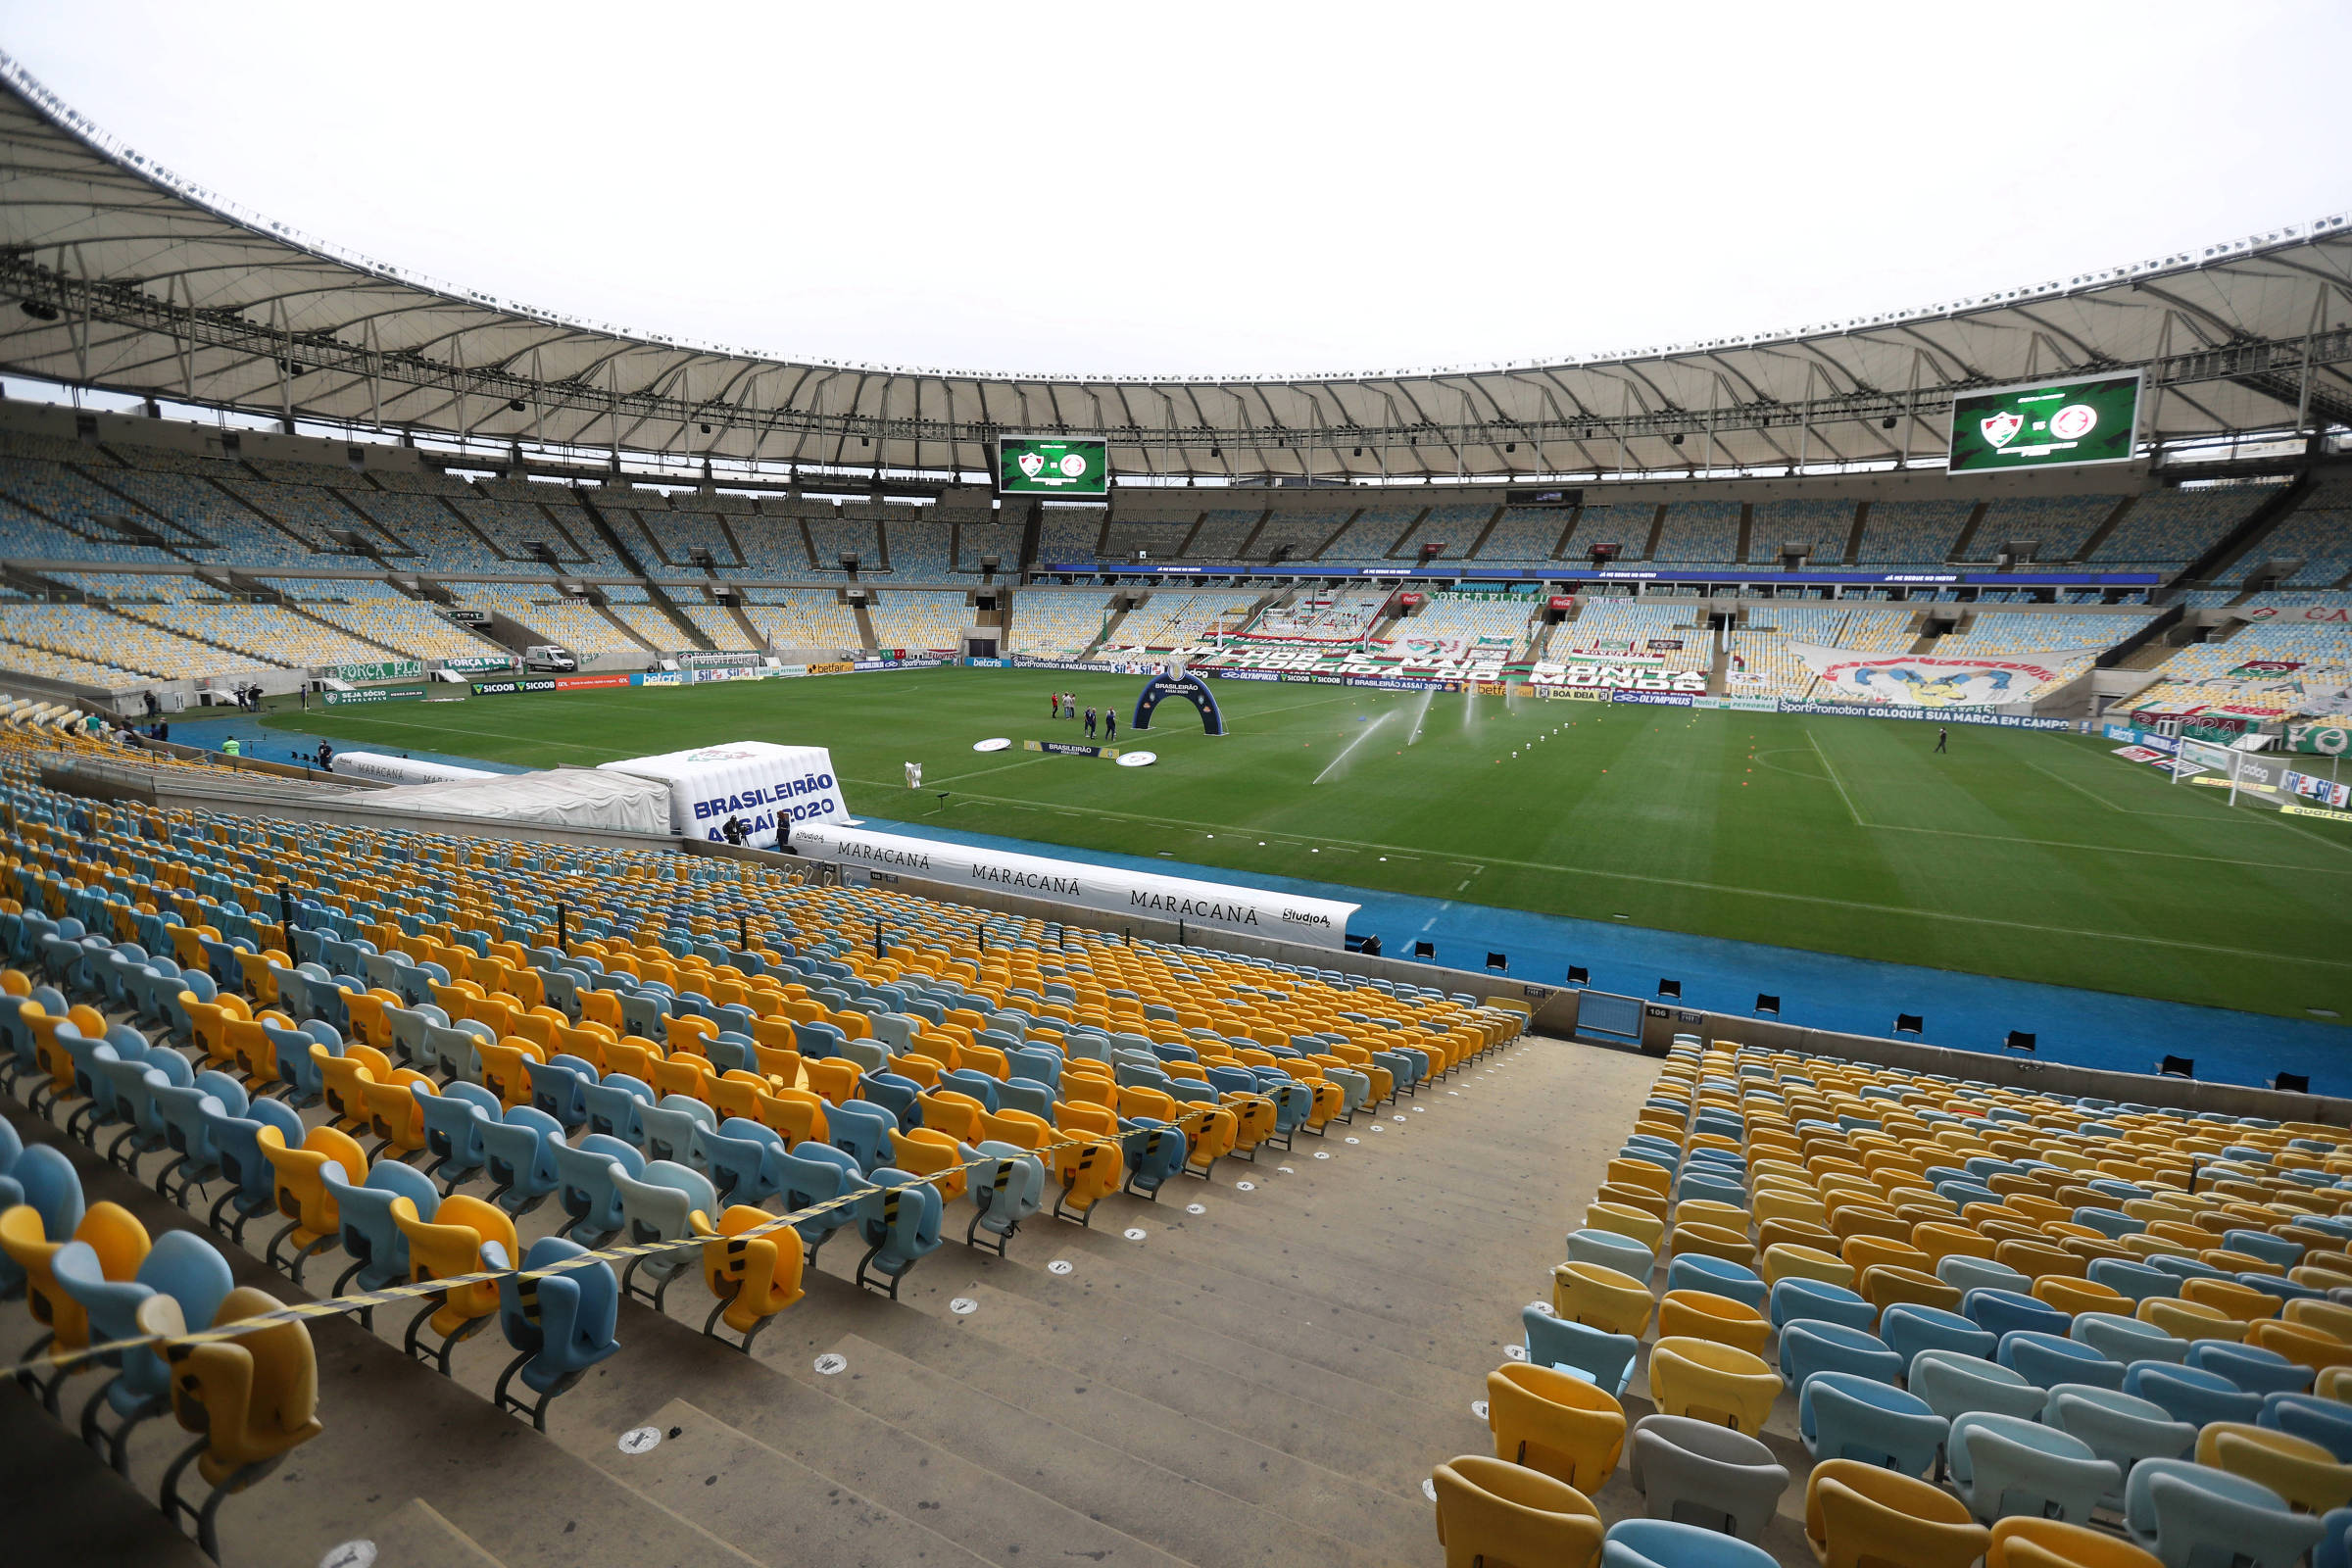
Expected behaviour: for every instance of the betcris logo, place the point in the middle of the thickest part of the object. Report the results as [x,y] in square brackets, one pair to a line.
[790,799]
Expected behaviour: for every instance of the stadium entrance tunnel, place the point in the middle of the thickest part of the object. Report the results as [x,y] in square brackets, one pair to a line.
[1191,688]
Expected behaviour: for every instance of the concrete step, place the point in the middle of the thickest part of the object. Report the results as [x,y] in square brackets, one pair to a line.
[416,1536]
[952,1496]
[1200,1445]
[1181,1513]
[63,1508]
[771,1509]
[1099,1299]
[1254,1399]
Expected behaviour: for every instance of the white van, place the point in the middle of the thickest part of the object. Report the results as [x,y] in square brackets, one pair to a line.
[547,656]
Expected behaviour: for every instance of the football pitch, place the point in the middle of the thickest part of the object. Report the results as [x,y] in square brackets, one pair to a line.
[2027,854]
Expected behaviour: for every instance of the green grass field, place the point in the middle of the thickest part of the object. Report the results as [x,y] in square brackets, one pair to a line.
[2031,855]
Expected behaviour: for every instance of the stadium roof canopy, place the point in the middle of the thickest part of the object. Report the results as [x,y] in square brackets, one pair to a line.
[132,279]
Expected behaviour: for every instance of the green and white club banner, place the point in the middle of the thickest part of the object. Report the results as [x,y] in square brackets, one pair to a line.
[382,669]
[2323,740]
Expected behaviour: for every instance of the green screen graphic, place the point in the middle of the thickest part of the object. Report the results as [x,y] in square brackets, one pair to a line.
[1029,466]
[2045,425]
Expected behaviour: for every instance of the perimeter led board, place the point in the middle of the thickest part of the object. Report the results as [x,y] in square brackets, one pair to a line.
[2045,425]
[1031,466]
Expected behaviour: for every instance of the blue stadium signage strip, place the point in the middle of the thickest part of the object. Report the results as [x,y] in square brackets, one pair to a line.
[1568,571]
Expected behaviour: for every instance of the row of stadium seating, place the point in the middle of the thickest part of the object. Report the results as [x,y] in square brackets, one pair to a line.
[2319,653]
[61,501]
[1502,620]
[650,1082]
[2022,1327]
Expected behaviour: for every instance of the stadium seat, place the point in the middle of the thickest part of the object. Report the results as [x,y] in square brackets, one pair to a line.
[1489,1510]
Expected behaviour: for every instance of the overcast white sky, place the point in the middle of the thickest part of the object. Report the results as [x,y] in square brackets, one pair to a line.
[1210,187]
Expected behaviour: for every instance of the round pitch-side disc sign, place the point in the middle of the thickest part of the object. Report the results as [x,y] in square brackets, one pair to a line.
[1138,758]
[997,743]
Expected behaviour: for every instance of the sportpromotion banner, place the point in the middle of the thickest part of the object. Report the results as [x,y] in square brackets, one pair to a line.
[1936,680]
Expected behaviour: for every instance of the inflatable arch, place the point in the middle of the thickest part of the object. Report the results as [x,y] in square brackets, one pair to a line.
[1187,685]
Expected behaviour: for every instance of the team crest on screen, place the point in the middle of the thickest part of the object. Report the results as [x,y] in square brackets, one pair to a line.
[1032,463]
[2074,422]
[2002,427]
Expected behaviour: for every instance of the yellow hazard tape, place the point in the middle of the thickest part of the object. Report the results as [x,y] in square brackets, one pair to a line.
[335,1306]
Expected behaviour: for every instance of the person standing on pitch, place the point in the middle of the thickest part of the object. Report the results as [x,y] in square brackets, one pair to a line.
[1941,735]
[1111,725]
[1090,723]
[1054,699]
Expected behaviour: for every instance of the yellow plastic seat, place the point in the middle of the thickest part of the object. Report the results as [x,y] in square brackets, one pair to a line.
[503,1071]
[794,1114]
[2189,1320]
[2328,1317]
[1942,1239]
[1703,1315]
[393,1115]
[1495,1515]
[1712,1240]
[1549,1421]
[754,1277]
[1714,1383]
[1859,1514]
[2242,1303]
[1602,1297]
[1707,1211]
[2038,1259]
[2025,1541]
[834,1078]
[110,1230]
[254,1398]
[2308,1476]
[681,1072]
[302,1194]
[2072,1295]
[1788,1260]
[1796,1233]
[1886,1285]
[458,1240]
[2300,1342]
[1638,1173]
[928,1152]
[1866,1253]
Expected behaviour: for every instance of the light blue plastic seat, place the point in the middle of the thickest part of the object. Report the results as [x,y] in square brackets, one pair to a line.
[1003,1194]
[252,1180]
[2109,1222]
[1663,1544]
[1696,1182]
[188,1133]
[2135,1282]
[2271,1285]
[2120,1427]
[2262,1244]
[2256,1370]
[1603,1359]
[1910,1327]
[2182,1267]
[518,1150]
[2335,1550]
[816,1173]
[2326,1421]
[370,1232]
[2126,1338]
[2191,1516]
[659,1208]
[2048,1360]
[1952,1385]
[1717,1276]
[864,1131]
[586,1188]
[1797,1298]
[180,1264]
[558,1087]
[673,1129]
[1811,1345]
[1841,1416]
[617,1105]
[1965,1274]
[453,1129]
[2007,1312]
[2003,1465]
[899,1218]
[559,1325]
[742,1161]
[2189,1394]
